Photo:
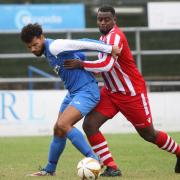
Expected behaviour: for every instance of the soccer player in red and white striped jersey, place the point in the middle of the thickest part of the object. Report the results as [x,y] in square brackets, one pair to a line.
[124,91]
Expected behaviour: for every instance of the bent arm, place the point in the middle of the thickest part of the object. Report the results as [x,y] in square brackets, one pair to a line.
[65,45]
[107,62]
[101,65]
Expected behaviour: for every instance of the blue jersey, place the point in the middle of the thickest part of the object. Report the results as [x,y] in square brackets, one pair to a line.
[73,79]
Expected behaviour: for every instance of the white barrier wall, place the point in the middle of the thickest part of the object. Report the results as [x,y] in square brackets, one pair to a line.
[34,113]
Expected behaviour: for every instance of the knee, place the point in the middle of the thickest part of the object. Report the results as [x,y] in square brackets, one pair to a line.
[86,125]
[150,137]
[89,126]
[60,129]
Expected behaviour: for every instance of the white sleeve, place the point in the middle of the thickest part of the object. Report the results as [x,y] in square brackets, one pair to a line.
[61,45]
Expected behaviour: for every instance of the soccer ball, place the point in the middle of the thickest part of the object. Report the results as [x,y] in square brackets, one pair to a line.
[88,169]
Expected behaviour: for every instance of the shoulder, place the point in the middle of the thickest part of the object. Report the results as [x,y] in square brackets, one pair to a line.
[115,36]
[53,46]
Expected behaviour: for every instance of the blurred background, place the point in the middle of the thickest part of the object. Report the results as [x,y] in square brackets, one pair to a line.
[152,29]
[155,50]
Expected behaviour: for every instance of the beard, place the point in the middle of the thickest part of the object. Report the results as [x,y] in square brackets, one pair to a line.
[39,53]
[104,31]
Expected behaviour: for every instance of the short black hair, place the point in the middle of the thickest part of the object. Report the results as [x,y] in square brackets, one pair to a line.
[30,31]
[107,8]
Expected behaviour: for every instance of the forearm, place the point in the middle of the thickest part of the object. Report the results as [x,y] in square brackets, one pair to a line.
[102,65]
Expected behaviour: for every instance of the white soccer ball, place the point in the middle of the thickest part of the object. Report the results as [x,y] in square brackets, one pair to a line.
[88,169]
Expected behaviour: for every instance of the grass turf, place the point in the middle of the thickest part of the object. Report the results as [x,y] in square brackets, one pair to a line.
[137,159]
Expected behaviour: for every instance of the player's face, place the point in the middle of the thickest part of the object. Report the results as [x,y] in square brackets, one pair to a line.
[37,45]
[105,21]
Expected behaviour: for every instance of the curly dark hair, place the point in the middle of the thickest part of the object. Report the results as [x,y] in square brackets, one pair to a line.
[107,8]
[30,31]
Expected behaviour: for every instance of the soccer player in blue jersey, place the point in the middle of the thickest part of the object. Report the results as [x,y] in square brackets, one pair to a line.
[83,93]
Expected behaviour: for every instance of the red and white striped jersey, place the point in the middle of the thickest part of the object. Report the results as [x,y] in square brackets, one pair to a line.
[120,74]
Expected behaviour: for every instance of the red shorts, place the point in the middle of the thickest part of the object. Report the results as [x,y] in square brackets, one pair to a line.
[135,108]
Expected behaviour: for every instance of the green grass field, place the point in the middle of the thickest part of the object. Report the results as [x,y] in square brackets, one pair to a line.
[137,159]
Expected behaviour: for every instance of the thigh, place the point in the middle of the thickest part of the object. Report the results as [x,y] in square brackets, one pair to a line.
[93,121]
[68,114]
[86,99]
[95,118]
[69,117]
[65,102]
[106,107]
[136,109]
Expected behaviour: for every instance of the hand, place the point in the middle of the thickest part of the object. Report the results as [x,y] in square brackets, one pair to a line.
[73,64]
[116,51]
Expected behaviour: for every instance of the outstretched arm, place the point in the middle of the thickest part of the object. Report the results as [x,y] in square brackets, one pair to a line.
[65,45]
[101,65]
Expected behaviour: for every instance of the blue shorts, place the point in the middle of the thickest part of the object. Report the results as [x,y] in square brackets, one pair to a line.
[84,99]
